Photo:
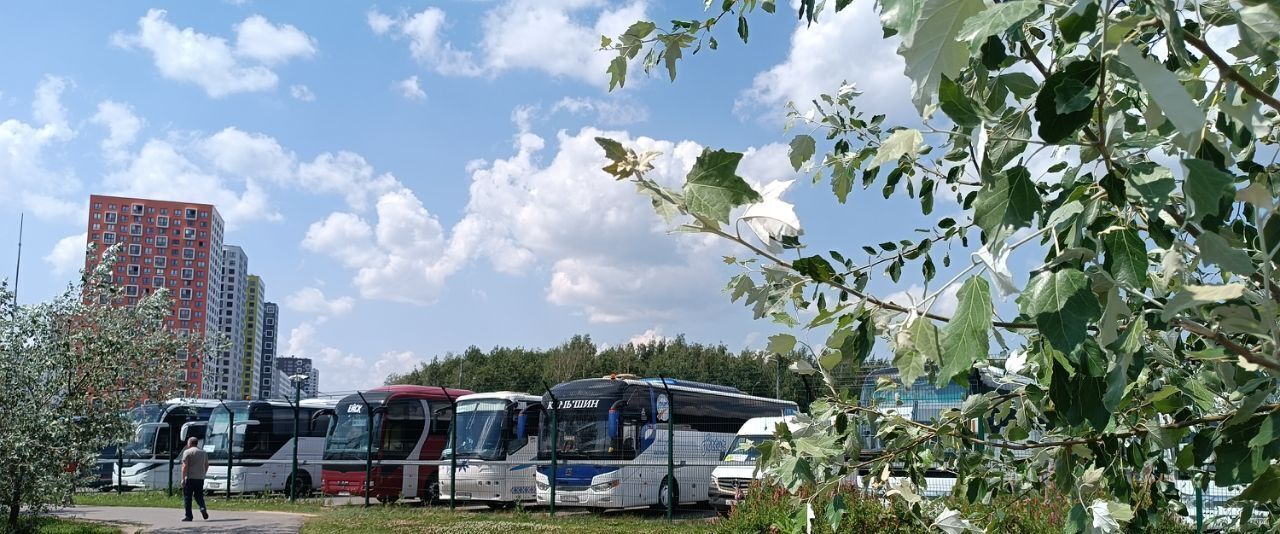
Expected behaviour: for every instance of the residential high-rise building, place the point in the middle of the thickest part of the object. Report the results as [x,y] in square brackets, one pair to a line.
[281,386]
[301,366]
[251,373]
[270,322]
[166,244]
[234,287]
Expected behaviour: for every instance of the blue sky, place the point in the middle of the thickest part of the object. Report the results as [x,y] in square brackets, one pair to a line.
[411,179]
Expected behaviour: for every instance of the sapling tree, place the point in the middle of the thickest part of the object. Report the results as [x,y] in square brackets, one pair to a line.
[70,369]
[1130,146]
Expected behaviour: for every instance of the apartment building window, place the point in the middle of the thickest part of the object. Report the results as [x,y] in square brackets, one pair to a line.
[109,217]
[109,238]
[188,233]
[188,253]
[162,221]
[139,209]
[135,229]
[184,314]
[131,291]
[97,205]
[135,250]
[188,274]
[158,281]
[191,213]
[134,270]
[162,241]
[268,345]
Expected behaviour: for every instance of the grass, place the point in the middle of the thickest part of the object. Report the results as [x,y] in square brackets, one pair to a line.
[55,525]
[441,521]
[158,499]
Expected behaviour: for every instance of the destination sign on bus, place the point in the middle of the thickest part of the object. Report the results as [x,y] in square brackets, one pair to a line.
[578,404]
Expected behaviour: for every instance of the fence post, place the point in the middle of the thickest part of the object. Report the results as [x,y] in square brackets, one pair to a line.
[453,446]
[231,447]
[171,466]
[555,441]
[368,451]
[671,440]
[120,469]
[1199,508]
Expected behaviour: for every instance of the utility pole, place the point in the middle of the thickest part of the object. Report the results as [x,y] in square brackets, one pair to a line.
[17,269]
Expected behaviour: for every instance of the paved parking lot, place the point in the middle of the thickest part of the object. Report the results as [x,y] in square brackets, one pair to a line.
[169,520]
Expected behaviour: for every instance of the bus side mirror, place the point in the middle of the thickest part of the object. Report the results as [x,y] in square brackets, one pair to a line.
[614,418]
[522,421]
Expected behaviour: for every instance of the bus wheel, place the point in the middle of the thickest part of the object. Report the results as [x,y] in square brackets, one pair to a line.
[388,499]
[662,493]
[500,505]
[301,485]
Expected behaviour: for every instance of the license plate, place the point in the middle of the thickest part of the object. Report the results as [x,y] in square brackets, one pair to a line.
[462,495]
[568,498]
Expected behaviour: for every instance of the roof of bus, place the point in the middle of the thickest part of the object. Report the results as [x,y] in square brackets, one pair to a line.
[305,403]
[676,385]
[407,390]
[505,395]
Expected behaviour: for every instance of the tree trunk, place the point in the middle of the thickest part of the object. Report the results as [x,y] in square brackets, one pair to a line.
[15,504]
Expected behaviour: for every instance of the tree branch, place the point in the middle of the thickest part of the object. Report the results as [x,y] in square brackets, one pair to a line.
[1231,73]
[1227,343]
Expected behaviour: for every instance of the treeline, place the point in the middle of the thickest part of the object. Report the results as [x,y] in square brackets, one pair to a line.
[520,369]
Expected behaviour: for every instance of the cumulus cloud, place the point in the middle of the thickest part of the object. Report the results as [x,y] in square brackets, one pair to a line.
[67,256]
[819,57]
[302,92]
[347,174]
[651,335]
[345,371]
[312,301]
[122,128]
[410,89]
[560,38]
[612,112]
[914,295]
[240,153]
[25,171]
[210,62]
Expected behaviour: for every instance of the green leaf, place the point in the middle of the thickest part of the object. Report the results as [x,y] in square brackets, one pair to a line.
[965,339]
[995,20]
[815,267]
[930,49]
[1002,143]
[1071,96]
[1081,18]
[1009,202]
[1056,127]
[899,16]
[1193,295]
[956,104]
[612,149]
[1153,187]
[743,32]
[903,142]
[712,188]
[617,72]
[781,343]
[1063,306]
[1205,188]
[802,148]
[1164,88]
[1126,257]
[1264,489]
[1263,20]
[1215,249]
[1020,84]
[842,181]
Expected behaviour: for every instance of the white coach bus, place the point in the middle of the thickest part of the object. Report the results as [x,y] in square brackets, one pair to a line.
[157,438]
[611,442]
[263,445]
[495,451]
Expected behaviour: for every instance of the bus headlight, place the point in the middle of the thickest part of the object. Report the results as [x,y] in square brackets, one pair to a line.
[606,486]
[543,486]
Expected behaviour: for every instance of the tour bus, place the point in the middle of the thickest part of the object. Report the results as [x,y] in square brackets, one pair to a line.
[729,482]
[495,451]
[157,438]
[262,445]
[612,433]
[406,423]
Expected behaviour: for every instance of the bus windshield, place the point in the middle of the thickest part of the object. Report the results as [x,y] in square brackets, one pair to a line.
[216,436]
[350,435]
[584,434]
[481,426]
[745,448]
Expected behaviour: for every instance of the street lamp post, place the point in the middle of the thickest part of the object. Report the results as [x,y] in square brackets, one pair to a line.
[297,400]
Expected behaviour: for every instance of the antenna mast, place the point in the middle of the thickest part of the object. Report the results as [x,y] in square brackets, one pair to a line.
[17,270]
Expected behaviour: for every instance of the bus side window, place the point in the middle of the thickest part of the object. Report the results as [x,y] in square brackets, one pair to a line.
[532,417]
[441,415]
[405,420]
[320,424]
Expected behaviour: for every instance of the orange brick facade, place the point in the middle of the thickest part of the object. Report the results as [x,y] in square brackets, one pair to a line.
[175,245]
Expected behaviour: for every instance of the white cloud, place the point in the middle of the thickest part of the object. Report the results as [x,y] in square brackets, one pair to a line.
[613,112]
[313,301]
[560,38]
[410,89]
[245,154]
[347,174]
[258,39]
[25,172]
[820,58]
[122,128]
[342,370]
[186,55]
[67,256]
[651,335]
[914,295]
[302,92]
[342,236]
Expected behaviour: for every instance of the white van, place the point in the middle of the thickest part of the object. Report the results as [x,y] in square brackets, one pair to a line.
[729,481]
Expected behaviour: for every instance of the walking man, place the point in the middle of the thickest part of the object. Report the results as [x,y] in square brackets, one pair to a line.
[195,462]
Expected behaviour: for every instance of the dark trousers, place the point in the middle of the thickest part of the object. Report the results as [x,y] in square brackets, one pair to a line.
[192,487]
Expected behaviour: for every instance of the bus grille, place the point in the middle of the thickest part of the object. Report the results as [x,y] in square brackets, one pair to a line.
[732,485]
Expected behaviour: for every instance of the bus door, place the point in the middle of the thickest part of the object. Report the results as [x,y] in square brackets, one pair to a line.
[403,430]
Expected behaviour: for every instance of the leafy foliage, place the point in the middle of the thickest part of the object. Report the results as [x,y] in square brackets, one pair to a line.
[1113,140]
[69,370]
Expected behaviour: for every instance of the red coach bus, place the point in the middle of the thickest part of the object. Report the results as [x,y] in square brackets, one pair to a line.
[407,423]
